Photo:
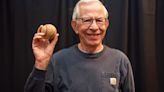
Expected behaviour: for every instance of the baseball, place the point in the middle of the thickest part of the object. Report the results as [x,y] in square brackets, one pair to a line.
[49,31]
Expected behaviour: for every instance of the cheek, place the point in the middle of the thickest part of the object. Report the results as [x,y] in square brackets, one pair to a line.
[81,30]
[103,29]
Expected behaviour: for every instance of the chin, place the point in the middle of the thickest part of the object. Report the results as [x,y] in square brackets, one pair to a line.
[94,43]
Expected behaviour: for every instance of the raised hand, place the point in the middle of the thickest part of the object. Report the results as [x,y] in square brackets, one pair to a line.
[43,48]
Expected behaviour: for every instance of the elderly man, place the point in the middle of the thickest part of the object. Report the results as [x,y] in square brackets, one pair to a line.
[89,66]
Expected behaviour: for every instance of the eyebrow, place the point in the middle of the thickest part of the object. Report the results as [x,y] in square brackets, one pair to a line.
[91,17]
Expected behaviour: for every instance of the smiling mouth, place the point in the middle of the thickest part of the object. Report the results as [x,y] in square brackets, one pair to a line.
[93,36]
[93,33]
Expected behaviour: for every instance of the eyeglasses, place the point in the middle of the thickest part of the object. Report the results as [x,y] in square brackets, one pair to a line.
[87,21]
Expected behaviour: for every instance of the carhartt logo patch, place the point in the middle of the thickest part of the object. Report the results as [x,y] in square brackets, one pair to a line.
[113,81]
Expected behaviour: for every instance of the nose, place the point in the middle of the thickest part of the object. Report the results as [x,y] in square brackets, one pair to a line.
[94,25]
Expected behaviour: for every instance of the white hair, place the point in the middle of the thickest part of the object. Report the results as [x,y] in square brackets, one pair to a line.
[76,12]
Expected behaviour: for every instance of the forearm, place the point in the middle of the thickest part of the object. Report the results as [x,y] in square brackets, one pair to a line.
[129,85]
[36,82]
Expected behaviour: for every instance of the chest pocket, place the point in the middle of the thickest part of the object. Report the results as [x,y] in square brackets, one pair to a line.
[110,82]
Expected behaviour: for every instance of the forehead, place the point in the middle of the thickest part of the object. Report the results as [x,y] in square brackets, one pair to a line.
[91,9]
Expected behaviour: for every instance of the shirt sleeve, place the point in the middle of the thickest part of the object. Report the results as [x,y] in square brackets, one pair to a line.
[36,82]
[127,79]
[43,81]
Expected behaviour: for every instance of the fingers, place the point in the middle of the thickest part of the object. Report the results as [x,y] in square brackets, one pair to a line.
[39,35]
[40,29]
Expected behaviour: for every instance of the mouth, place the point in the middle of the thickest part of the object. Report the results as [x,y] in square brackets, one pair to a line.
[94,36]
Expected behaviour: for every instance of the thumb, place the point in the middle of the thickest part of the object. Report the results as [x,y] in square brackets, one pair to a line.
[54,41]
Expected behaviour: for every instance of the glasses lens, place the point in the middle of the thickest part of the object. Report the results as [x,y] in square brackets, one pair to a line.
[87,21]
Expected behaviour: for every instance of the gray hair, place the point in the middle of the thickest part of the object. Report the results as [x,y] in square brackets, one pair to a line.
[76,12]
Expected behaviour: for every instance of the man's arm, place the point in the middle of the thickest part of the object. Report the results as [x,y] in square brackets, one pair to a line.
[36,82]
[43,50]
[127,78]
[129,85]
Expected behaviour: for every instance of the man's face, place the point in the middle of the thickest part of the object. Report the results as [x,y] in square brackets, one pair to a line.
[91,25]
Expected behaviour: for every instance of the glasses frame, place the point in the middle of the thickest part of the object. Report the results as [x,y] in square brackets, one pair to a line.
[88,21]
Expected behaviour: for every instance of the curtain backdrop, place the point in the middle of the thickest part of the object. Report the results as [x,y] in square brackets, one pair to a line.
[136,28]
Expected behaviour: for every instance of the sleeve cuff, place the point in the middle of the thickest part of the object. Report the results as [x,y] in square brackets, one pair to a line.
[38,74]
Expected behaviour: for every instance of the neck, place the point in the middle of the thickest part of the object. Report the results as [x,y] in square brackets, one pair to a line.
[90,49]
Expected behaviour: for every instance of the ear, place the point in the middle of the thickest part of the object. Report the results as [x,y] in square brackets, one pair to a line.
[74,26]
[107,23]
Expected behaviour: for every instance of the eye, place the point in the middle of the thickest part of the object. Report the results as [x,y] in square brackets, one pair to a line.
[87,20]
[100,20]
